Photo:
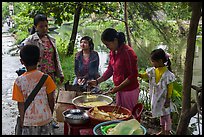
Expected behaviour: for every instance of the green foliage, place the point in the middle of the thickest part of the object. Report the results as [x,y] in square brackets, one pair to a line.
[177,93]
[22,24]
[177,100]
[67,63]
[106,85]
[61,44]
[5,10]
[181,10]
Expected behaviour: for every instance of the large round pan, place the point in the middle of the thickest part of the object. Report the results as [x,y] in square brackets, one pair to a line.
[84,98]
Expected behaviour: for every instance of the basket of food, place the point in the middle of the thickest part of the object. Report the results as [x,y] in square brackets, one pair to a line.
[120,127]
[108,113]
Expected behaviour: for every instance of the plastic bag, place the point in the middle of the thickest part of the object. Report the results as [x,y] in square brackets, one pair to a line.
[126,128]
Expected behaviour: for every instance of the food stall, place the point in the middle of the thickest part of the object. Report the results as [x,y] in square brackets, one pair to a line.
[86,111]
[90,111]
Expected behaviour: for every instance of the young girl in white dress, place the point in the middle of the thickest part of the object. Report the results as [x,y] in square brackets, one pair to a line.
[161,81]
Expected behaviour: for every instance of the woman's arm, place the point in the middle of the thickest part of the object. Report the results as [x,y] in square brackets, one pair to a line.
[121,86]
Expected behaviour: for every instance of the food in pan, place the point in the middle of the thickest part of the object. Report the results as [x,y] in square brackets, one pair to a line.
[93,104]
[102,115]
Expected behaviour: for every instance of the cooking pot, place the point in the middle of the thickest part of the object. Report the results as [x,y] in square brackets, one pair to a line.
[75,116]
[85,98]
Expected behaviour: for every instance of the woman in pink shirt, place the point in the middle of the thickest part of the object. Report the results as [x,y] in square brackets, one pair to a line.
[123,67]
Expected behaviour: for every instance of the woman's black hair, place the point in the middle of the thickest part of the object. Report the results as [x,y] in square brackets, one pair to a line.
[32,30]
[30,55]
[110,34]
[158,54]
[89,39]
[37,19]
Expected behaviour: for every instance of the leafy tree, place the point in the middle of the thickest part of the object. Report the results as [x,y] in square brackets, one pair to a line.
[64,11]
[5,10]
[187,111]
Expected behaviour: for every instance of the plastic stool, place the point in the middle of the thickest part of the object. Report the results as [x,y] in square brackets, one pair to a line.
[88,131]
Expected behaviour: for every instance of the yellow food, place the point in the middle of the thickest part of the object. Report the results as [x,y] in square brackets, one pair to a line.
[102,115]
[91,96]
[94,104]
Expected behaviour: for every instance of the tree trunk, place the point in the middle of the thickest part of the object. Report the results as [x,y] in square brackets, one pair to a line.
[126,24]
[188,71]
[70,49]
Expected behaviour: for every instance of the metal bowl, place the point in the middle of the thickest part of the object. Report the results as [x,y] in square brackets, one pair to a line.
[83,99]
[75,116]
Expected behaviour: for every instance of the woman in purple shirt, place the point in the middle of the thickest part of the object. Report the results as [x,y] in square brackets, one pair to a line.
[123,67]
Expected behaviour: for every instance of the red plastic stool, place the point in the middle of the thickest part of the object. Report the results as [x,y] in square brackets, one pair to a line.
[88,131]
[78,129]
[73,129]
[137,111]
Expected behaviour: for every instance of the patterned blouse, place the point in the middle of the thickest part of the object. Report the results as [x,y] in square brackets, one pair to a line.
[48,65]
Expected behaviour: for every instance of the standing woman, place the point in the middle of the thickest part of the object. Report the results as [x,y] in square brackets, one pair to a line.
[123,67]
[86,63]
[49,62]
[49,58]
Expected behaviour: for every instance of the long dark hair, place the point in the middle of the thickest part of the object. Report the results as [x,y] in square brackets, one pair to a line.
[37,19]
[110,34]
[158,54]
[89,39]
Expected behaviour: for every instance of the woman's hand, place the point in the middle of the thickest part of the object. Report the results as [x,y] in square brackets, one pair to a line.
[114,90]
[92,83]
[81,81]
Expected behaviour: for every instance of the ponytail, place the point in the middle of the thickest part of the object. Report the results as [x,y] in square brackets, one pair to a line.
[32,30]
[121,38]
[168,64]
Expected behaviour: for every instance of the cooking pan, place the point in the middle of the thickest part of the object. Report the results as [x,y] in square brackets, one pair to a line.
[85,98]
